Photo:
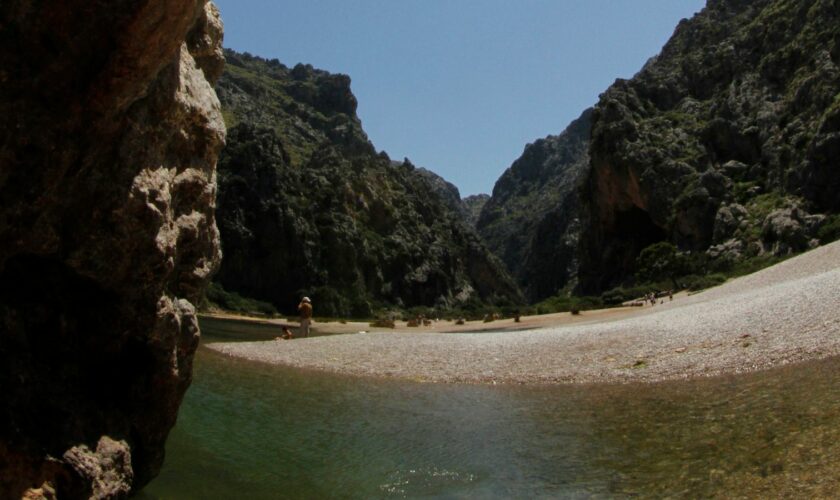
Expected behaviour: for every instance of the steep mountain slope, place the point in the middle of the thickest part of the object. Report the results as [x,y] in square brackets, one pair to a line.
[445,190]
[307,206]
[726,143]
[473,205]
[531,220]
[468,209]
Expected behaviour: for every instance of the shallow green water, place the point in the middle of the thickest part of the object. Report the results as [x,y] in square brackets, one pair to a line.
[257,431]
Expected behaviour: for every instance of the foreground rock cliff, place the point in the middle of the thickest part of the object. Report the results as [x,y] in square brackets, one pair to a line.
[108,146]
[308,207]
[726,144]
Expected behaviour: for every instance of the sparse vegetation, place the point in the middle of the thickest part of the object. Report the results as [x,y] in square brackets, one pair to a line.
[568,303]
[696,283]
[383,323]
[217,297]
[662,261]
[830,230]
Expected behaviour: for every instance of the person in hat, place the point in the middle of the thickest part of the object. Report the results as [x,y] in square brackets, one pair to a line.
[305,310]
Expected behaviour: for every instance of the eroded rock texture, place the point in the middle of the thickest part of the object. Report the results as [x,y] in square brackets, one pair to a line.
[740,108]
[108,146]
[472,207]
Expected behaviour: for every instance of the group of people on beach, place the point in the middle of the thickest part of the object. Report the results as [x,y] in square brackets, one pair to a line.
[652,297]
[305,312]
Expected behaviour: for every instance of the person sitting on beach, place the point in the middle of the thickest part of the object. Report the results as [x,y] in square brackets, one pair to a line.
[286,335]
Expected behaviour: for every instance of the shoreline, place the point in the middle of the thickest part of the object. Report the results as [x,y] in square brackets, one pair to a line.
[784,314]
[326,328]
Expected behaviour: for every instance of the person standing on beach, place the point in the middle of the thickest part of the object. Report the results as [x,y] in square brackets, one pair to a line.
[305,310]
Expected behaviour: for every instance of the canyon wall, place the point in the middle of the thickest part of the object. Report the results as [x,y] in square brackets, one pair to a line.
[308,207]
[532,219]
[726,143]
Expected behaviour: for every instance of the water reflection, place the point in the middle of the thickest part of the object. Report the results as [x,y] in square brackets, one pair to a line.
[252,430]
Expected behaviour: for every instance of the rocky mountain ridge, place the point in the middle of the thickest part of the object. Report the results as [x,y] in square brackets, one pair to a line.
[308,207]
[725,143]
[531,221]
[472,206]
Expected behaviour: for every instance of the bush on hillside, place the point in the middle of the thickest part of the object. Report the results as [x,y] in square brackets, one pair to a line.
[662,261]
[566,303]
[695,283]
[233,302]
[830,230]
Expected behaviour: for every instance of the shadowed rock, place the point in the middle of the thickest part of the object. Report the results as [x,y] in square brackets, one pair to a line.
[108,146]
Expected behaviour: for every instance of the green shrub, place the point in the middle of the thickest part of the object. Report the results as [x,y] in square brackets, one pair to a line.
[622,294]
[830,230]
[760,206]
[426,312]
[233,302]
[383,323]
[619,295]
[661,261]
[615,296]
[695,283]
[754,264]
[565,303]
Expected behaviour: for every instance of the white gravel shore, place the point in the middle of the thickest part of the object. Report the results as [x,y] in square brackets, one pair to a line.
[783,314]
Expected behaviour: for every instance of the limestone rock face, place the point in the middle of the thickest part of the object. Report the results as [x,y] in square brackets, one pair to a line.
[447,192]
[108,146]
[532,219]
[308,207]
[790,230]
[741,107]
[472,207]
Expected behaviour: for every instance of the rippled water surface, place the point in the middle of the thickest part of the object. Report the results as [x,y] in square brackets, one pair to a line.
[257,431]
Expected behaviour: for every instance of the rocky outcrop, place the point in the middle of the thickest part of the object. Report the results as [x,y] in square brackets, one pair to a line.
[740,109]
[108,146]
[531,221]
[468,209]
[446,191]
[308,207]
[472,207]
[790,230]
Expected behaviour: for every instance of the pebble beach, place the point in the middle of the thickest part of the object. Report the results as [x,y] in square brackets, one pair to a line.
[784,314]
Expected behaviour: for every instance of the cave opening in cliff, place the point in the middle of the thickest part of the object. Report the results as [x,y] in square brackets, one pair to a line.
[635,230]
[56,332]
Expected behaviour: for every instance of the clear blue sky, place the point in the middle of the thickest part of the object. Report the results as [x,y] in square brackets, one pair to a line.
[461,86]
